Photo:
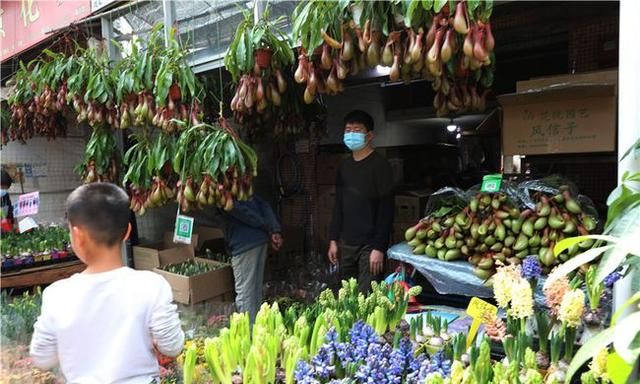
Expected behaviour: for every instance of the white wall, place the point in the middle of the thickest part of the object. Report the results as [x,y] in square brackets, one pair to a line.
[53,163]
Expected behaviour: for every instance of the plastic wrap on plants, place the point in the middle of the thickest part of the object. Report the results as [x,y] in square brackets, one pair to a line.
[552,186]
[511,190]
[446,201]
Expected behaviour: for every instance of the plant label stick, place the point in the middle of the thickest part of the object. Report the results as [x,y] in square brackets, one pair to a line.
[480,311]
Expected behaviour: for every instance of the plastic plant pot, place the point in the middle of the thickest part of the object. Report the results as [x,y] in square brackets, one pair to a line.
[263,57]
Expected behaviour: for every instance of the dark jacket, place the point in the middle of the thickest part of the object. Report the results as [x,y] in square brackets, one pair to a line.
[247,225]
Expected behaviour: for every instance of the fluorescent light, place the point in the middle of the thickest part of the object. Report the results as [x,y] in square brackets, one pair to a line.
[458,136]
[383,71]
[452,127]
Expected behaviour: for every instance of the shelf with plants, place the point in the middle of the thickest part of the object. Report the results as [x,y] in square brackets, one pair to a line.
[38,247]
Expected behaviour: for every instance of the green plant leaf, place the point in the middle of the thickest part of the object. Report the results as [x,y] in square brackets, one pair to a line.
[586,352]
[635,148]
[617,369]
[626,330]
[627,230]
[568,243]
[427,5]
[632,176]
[408,17]
[438,5]
[575,262]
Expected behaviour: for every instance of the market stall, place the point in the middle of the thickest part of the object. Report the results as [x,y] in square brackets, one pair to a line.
[185,144]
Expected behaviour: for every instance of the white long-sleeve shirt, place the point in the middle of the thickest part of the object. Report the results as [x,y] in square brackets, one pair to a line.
[100,327]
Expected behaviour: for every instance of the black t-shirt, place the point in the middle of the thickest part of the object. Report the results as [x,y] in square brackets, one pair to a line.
[363,213]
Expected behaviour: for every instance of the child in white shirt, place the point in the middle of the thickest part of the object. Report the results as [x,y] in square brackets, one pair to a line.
[103,325]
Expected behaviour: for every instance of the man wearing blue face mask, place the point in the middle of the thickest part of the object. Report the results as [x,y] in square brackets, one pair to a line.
[363,212]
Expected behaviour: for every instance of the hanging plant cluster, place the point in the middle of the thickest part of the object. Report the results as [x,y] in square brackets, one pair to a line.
[149,86]
[101,161]
[449,43]
[154,85]
[40,98]
[216,167]
[205,165]
[255,59]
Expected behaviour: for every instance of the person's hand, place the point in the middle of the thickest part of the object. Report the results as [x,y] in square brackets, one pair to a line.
[333,252]
[376,262]
[276,241]
[163,360]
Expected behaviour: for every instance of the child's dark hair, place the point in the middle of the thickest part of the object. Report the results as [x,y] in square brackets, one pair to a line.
[102,209]
[359,117]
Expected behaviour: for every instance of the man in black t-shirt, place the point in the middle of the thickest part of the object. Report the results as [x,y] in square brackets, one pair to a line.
[363,212]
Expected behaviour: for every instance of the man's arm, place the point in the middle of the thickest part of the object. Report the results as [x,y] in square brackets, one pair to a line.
[165,324]
[270,219]
[44,346]
[336,220]
[384,217]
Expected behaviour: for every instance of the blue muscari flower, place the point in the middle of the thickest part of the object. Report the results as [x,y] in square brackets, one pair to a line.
[531,268]
[611,279]
[322,362]
[437,363]
[304,373]
[331,336]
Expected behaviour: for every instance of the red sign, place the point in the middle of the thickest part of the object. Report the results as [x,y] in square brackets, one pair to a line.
[24,23]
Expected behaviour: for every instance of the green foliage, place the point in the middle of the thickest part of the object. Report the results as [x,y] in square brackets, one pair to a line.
[250,37]
[19,314]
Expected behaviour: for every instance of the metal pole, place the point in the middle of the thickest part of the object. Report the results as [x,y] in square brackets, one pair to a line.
[169,10]
[107,35]
[628,124]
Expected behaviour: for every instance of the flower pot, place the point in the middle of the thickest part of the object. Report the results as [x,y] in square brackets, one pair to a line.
[38,258]
[63,254]
[174,92]
[263,57]
[46,256]
[7,263]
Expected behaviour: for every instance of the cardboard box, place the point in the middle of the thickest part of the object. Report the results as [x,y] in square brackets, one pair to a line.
[327,165]
[150,256]
[194,289]
[577,118]
[326,199]
[409,206]
[595,77]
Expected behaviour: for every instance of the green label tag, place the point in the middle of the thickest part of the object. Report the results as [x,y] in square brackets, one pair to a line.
[183,230]
[491,183]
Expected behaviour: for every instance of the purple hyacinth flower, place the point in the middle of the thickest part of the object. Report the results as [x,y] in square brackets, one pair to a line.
[611,279]
[531,268]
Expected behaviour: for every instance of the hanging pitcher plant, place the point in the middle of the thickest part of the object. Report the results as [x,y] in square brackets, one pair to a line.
[155,84]
[448,43]
[256,60]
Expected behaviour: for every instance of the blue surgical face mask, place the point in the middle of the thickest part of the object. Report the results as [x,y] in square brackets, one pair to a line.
[355,141]
[3,192]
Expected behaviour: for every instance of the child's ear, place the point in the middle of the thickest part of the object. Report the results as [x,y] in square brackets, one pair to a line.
[128,233]
[78,236]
